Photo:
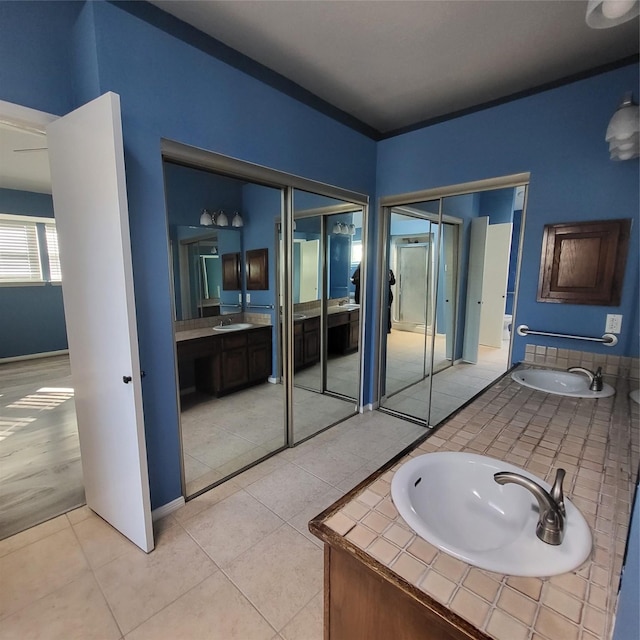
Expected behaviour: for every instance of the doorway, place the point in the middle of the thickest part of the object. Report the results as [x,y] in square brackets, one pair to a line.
[40,472]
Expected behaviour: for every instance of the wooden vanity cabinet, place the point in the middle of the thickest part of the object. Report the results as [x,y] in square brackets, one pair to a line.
[226,363]
[306,342]
[362,603]
[343,331]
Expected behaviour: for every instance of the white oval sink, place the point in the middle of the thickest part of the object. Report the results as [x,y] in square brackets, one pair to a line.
[635,396]
[299,316]
[238,326]
[560,383]
[452,500]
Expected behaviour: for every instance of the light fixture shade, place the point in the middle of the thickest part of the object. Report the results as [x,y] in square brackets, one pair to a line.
[237,220]
[337,228]
[352,229]
[205,218]
[602,14]
[221,219]
[623,131]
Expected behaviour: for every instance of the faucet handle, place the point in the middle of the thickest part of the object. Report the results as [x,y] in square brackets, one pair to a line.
[556,490]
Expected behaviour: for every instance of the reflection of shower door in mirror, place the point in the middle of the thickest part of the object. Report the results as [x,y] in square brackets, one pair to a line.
[413,308]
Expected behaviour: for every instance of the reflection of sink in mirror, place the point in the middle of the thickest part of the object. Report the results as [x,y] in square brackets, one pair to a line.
[560,383]
[299,316]
[238,326]
[350,307]
[452,500]
[635,396]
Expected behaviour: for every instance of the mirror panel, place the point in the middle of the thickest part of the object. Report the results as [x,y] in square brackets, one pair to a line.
[461,287]
[231,393]
[323,237]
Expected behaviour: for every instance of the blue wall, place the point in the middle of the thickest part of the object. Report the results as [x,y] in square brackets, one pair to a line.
[558,136]
[32,318]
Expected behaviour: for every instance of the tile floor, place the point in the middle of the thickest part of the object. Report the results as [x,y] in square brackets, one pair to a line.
[235,563]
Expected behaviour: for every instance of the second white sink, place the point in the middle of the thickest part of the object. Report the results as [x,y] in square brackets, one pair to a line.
[238,326]
[452,500]
[560,383]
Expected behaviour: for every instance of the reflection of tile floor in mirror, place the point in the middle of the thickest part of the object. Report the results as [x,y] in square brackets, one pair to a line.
[237,562]
[222,435]
[452,386]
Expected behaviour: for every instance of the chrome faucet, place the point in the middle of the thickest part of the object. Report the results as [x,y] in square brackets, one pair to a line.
[552,514]
[595,379]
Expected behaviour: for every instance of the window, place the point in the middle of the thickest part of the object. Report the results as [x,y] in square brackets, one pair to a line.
[28,250]
[51,233]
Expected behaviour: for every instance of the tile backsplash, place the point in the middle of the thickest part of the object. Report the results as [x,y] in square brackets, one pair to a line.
[564,358]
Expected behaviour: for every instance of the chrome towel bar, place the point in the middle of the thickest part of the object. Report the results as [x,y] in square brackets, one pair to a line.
[260,306]
[608,339]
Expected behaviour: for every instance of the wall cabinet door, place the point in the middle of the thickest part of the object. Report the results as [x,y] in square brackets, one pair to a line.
[231,272]
[257,269]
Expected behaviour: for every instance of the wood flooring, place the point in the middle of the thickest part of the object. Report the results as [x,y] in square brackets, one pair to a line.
[40,469]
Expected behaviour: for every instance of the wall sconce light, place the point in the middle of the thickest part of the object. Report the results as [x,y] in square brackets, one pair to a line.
[205,218]
[220,219]
[602,14]
[352,229]
[623,131]
[338,228]
[237,220]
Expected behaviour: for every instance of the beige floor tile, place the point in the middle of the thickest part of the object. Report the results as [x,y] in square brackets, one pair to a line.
[300,522]
[206,500]
[308,624]
[77,611]
[100,542]
[8,545]
[287,490]
[333,464]
[138,585]
[213,610]
[280,575]
[232,526]
[38,569]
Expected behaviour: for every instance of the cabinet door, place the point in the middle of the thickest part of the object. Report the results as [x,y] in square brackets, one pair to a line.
[354,335]
[231,272]
[259,362]
[234,368]
[258,269]
[298,346]
[311,346]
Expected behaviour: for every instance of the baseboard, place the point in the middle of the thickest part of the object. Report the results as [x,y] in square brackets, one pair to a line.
[372,406]
[36,356]
[273,380]
[187,390]
[168,508]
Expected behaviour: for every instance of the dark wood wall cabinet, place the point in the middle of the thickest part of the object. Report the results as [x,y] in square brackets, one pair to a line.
[584,262]
[231,272]
[226,363]
[257,269]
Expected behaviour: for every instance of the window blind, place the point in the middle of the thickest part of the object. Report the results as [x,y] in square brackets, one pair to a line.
[19,252]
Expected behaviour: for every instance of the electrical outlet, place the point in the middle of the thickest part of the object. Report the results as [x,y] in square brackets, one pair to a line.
[248,298]
[614,323]
[240,298]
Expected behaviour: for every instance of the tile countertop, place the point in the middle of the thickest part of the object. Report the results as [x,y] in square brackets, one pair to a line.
[592,440]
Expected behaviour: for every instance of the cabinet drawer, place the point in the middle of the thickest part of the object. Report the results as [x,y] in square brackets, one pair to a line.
[236,341]
[259,336]
[311,324]
[336,319]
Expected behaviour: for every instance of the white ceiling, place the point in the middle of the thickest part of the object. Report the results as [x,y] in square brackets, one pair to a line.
[23,170]
[388,63]
[395,63]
